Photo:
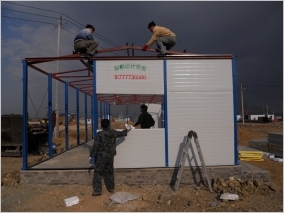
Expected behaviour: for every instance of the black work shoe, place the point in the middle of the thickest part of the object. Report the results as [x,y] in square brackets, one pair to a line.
[88,55]
[96,193]
[89,66]
[162,54]
[90,62]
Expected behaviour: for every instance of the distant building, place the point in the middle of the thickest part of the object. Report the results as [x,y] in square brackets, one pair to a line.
[257,117]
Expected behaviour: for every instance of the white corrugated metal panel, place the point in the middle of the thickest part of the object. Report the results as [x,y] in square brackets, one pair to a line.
[130,77]
[200,98]
[141,148]
[199,75]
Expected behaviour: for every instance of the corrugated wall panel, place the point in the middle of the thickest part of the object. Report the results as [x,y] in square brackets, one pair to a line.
[199,75]
[141,149]
[200,98]
[130,77]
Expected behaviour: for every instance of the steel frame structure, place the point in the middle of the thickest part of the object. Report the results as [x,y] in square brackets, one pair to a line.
[85,82]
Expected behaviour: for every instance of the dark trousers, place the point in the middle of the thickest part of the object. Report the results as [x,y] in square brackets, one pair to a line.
[103,169]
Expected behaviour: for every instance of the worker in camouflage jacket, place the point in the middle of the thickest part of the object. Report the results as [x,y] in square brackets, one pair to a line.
[104,149]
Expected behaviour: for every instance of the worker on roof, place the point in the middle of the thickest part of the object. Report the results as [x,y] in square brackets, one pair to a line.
[104,148]
[85,43]
[162,36]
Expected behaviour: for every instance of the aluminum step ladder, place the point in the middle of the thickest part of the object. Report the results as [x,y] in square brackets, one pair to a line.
[184,154]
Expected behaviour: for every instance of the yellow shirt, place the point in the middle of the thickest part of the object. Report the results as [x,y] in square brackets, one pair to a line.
[159,32]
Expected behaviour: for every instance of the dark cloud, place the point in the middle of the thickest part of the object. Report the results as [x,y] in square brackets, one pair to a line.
[252,31]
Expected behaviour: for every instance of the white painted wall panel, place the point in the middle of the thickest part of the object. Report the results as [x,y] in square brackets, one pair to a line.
[118,77]
[200,98]
[199,75]
[141,148]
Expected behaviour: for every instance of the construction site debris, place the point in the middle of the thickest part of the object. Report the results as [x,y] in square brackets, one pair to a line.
[122,197]
[71,201]
[240,187]
[229,196]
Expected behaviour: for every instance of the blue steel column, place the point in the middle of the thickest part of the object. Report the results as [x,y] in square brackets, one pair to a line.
[127,115]
[107,113]
[86,114]
[104,110]
[92,112]
[95,104]
[25,113]
[166,114]
[50,153]
[101,110]
[163,115]
[66,118]
[77,116]
[234,66]
[109,116]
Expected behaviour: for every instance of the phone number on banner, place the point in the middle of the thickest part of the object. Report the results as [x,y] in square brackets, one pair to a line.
[130,77]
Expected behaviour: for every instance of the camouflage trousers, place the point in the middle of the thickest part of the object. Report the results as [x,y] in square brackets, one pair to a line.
[103,169]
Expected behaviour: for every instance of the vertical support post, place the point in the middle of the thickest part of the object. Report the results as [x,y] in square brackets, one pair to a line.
[132,50]
[57,82]
[105,112]
[109,116]
[50,151]
[107,109]
[127,50]
[66,118]
[127,114]
[92,115]
[166,114]
[101,110]
[25,116]
[95,105]
[163,115]
[242,99]
[234,66]
[77,116]
[86,116]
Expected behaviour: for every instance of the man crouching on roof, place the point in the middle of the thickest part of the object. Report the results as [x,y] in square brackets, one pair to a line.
[162,36]
[105,149]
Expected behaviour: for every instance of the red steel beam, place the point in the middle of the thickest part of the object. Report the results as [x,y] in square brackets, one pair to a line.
[71,71]
[88,79]
[80,56]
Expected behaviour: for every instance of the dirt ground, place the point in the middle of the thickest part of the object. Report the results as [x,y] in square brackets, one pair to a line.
[254,196]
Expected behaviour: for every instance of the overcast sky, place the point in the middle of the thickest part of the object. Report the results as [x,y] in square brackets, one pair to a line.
[252,31]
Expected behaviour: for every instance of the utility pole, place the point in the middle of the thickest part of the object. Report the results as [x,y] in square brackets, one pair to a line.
[242,98]
[57,82]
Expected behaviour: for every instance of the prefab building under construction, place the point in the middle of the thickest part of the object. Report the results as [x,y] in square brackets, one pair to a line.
[183,92]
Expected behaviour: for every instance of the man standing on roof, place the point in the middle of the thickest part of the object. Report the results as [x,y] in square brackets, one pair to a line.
[162,36]
[85,43]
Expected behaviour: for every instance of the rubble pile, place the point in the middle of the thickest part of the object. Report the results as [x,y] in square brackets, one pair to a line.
[241,187]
